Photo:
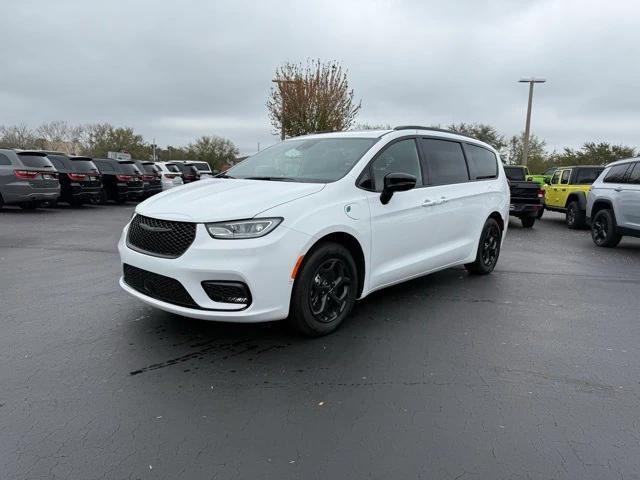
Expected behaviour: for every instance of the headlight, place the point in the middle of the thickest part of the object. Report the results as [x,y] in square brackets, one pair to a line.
[257,227]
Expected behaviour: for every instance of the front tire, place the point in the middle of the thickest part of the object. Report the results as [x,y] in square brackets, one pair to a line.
[488,249]
[603,229]
[324,292]
[575,217]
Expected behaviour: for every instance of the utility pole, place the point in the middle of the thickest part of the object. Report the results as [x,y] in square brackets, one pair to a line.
[527,128]
[280,82]
[154,149]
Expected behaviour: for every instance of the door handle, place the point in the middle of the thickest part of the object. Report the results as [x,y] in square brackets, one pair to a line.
[563,189]
[618,189]
[433,203]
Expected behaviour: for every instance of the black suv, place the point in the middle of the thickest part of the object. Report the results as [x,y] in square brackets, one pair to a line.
[189,172]
[151,179]
[121,180]
[79,178]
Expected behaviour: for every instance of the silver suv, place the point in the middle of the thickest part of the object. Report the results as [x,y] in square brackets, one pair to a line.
[613,204]
[27,179]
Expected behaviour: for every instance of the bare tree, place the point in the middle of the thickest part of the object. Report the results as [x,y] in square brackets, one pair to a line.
[314,97]
[17,136]
[60,136]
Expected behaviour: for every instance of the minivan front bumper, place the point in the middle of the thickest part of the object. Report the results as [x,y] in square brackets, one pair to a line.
[263,264]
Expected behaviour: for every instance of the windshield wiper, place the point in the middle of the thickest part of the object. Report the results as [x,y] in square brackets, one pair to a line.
[223,175]
[275,179]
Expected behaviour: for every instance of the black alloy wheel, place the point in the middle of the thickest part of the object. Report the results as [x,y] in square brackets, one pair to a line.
[488,249]
[603,229]
[330,290]
[324,291]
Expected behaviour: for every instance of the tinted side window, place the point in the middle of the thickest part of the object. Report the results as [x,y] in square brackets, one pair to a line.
[400,157]
[634,176]
[616,174]
[565,177]
[4,160]
[482,162]
[586,176]
[556,178]
[445,161]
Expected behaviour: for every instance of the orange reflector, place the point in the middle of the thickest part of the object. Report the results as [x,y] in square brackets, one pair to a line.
[294,272]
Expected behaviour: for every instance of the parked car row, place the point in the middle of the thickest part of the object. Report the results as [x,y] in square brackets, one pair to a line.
[30,179]
[605,198]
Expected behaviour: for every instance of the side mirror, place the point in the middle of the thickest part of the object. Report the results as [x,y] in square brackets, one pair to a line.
[396,182]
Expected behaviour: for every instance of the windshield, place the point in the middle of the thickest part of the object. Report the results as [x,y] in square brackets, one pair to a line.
[516,174]
[172,168]
[84,166]
[36,161]
[147,167]
[320,160]
[127,168]
[203,167]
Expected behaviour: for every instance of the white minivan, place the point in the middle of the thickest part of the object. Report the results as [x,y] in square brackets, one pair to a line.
[302,229]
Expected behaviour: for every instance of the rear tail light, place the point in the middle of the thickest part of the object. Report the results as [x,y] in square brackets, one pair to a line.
[540,193]
[26,174]
[124,178]
[77,177]
[170,175]
[148,177]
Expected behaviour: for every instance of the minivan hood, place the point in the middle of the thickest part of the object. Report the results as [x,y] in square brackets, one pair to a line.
[220,199]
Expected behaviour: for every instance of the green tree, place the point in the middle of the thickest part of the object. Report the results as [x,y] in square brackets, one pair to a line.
[482,132]
[100,138]
[592,153]
[314,97]
[216,151]
[537,160]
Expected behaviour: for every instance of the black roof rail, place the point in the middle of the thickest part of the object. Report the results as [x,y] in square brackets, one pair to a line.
[433,129]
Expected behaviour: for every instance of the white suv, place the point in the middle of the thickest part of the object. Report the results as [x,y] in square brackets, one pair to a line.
[304,228]
[613,204]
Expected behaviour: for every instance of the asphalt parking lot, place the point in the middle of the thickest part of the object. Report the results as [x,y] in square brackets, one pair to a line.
[532,372]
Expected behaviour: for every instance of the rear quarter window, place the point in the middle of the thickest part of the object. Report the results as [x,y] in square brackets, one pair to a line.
[586,176]
[4,160]
[616,174]
[483,163]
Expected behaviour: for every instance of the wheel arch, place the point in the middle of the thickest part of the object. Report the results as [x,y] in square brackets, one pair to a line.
[352,244]
[498,218]
[579,197]
[602,204]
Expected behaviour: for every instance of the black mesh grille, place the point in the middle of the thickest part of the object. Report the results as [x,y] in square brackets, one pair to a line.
[158,286]
[161,238]
[227,292]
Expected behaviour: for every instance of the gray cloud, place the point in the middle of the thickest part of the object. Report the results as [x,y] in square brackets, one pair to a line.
[177,71]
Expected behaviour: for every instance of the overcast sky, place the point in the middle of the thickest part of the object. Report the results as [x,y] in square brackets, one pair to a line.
[178,70]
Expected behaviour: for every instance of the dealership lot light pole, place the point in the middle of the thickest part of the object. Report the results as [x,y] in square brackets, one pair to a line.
[530,81]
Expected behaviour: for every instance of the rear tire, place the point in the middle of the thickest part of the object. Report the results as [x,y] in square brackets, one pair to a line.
[603,229]
[324,291]
[528,222]
[103,198]
[1,202]
[29,205]
[575,217]
[488,249]
[540,213]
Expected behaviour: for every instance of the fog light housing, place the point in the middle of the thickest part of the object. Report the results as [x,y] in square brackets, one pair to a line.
[227,292]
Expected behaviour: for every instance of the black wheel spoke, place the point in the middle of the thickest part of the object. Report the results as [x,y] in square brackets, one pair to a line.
[330,290]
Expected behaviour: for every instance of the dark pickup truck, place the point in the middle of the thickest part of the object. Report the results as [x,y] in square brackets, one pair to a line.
[526,196]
